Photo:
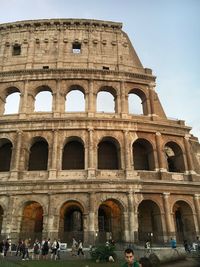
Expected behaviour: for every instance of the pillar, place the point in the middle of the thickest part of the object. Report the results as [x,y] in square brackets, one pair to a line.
[91,228]
[15,163]
[168,217]
[53,155]
[90,165]
[197,209]
[91,105]
[131,221]
[188,155]
[161,160]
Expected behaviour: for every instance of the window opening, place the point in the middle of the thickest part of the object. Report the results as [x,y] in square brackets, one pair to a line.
[16,50]
[105,68]
[45,67]
[76,48]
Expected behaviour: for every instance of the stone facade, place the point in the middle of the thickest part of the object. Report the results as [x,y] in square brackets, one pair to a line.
[92,175]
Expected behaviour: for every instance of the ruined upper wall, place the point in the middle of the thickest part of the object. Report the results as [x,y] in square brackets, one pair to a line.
[49,43]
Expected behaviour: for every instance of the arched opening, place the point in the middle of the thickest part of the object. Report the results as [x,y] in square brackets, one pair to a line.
[108,154]
[110,221]
[137,102]
[12,102]
[174,156]
[149,222]
[38,158]
[43,100]
[143,158]
[73,155]
[5,154]
[32,221]
[106,100]
[75,100]
[184,222]
[1,218]
[71,222]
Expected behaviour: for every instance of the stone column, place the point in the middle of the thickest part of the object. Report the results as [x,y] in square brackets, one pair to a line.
[188,155]
[131,212]
[161,159]
[31,51]
[91,228]
[151,98]
[2,105]
[53,156]
[168,217]
[24,101]
[91,104]
[197,209]
[124,102]
[51,219]
[16,156]
[60,49]
[91,167]
[118,103]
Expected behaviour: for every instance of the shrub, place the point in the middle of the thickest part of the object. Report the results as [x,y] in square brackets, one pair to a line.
[102,253]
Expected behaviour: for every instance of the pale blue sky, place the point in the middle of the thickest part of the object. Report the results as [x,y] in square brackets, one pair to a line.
[165,34]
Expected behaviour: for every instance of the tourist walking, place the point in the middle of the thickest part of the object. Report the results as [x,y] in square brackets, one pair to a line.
[74,247]
[80,248]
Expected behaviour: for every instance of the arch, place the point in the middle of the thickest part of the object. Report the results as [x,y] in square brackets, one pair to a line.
[174,157]
[110,221]
[106,100]
[5,154]
[143,157]
[73,156]
[183,221]
[71,221]
[137,102]
[149,222]
[43,99]
[32,221]
[75,99]
[1,218]
[38,157]
[12,102]
[109,154]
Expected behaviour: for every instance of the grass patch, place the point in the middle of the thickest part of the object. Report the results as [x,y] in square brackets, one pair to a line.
[61,263]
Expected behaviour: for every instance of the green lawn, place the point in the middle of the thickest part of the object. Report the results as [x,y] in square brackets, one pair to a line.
[62,263]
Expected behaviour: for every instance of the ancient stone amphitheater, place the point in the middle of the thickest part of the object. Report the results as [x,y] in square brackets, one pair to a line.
[93,173]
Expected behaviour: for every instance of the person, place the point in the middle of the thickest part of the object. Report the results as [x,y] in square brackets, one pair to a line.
[130,259]
[6,247]
[145,262]
[186,246]
[2,247]
[80,248]
[54,249]
[18,251]
[148,246]
[173,243]
[36,249]
[74,246]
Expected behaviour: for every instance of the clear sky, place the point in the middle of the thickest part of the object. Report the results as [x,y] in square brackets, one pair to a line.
[165,35]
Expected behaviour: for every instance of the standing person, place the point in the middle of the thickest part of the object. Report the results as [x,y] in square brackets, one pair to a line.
[74,246]
[58,249]
[130,260]
[19,248]
[36,249]
[54,249]
[173,243]
[6,247]
[80,248]
[45,248]
[2,247]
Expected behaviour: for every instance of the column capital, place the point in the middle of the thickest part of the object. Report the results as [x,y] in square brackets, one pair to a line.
[166,194]
[197,196]
[158,134]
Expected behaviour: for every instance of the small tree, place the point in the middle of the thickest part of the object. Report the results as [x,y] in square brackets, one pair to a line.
[102,253]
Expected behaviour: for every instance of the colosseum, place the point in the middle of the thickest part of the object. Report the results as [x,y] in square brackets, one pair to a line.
[91,172]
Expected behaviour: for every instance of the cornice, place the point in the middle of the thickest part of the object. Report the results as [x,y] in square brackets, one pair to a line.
[61,22]
[77,71]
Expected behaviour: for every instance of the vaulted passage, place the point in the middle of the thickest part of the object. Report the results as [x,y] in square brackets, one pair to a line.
[73,156]
[1,218]
[108,155]
[71,222]
[38,158]
[5,154]
[184,222]
[149,222]
[110,221]
[174,157]
[32,221]
[143,158]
